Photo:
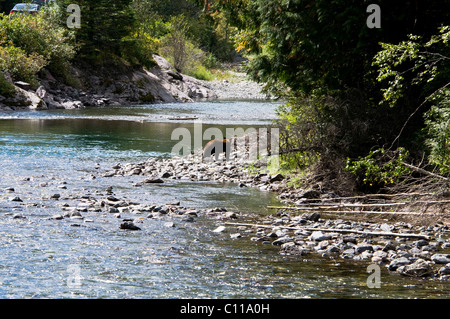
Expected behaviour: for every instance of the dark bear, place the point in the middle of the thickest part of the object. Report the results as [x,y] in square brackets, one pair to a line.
[216,147]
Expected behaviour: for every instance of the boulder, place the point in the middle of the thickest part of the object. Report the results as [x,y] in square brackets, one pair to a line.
[420,268]
[319,236]
[441,258]
[397,262]
[129,226]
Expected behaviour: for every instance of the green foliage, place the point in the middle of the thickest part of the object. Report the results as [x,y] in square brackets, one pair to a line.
[104,24]
[379,167]
[6,88]
[438,131]
[208,31]
[413,63]
[19,64]
[28,43]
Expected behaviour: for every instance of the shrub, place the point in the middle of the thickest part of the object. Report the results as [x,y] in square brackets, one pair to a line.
[6,88]
[37,41]
[19,64]
[379,167]
[437,121]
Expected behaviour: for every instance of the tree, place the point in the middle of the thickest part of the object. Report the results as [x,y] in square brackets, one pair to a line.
[104,24]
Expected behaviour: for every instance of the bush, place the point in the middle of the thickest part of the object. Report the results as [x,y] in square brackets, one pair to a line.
[6,88]
[438,131]
[31,42]
[379,167]
[19,64]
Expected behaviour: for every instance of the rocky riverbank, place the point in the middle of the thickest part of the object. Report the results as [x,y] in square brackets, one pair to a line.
[402,247]
[108,85]
[238,89]
[125,85]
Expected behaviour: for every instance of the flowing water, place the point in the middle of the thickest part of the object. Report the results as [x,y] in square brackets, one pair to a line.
[66,152]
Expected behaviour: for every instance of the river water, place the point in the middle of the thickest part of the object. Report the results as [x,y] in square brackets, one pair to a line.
[66,152]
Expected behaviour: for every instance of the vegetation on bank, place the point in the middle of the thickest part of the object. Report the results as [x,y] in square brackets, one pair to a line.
[365,106]
[123,31]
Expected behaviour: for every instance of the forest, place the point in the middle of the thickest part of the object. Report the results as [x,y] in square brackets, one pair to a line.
[366,108]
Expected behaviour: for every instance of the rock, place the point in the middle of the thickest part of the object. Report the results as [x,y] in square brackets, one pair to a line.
[166,175]
[421,243]
[291,248]
[401,261]
[332,249]
[235,236]
[153,180]
[112,198]
[281,241]
[41,92]
[219,229]
[420,268]
[319,236]
[389,246]
[128,225]
[277,178]
[440,258]
[349,239]
[16,199]
[362,248]
[169,224]
[18,216]
[386,227]
[9,190]
[57,217]
[310,194]
[55,196]
[113,210]
[188,218]
[379,256]
[23,85]
[25,98]
[348,253]
[314,217]
[445,270]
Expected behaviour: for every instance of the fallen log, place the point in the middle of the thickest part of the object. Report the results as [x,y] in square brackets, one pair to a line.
[425,172]
[354,231]
[325,206]
[368,196]
[371,212]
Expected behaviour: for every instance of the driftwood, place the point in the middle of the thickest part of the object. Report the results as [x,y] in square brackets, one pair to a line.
[371,212]
[422,171]
[182,118]
[335,230]
[337,205]
[369,196]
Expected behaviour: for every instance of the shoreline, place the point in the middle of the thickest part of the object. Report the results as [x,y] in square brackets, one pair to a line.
[125,85]
[402,247]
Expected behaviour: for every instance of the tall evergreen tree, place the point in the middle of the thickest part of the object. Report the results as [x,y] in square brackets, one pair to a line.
[104,23]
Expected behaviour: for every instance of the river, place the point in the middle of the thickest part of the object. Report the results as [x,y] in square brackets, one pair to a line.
[66,151]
